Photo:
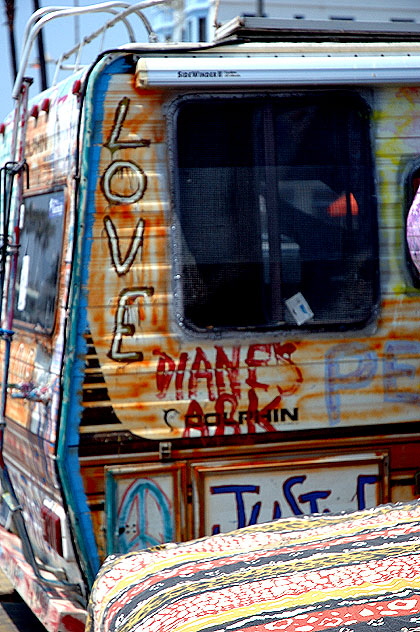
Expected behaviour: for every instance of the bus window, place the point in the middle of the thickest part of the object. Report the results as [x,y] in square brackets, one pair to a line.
[274,199]
[40,255]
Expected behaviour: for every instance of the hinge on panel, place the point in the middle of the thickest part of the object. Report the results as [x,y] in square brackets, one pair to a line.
[165,450]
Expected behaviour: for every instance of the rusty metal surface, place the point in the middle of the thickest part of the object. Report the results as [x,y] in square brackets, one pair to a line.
[150,366]
[145,375]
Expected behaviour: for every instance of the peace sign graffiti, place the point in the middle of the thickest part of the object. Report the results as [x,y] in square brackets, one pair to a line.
[144,517]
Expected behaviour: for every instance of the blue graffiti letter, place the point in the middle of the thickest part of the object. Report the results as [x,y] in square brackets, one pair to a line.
[338,377]
[312,498]
[394,370]
[239,490]
[362,481]
[287,490]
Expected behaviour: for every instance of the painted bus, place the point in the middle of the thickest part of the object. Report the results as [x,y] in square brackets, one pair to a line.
[210,305]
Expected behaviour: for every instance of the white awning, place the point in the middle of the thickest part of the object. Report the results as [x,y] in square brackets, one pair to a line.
[277,70]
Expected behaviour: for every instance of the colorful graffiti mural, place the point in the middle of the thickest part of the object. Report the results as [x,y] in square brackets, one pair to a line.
[215,389]
[160,384]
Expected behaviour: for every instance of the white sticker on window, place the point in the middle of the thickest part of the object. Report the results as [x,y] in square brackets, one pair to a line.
[55,207]
[23,284]
[299,308]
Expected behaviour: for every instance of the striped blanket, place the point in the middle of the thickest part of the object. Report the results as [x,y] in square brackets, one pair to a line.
[343,573]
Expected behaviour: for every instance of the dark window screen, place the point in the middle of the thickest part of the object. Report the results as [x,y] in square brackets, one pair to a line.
[39,260]
[274,197]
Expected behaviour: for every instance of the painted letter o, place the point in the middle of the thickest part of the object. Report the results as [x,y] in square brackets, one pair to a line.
[137,174]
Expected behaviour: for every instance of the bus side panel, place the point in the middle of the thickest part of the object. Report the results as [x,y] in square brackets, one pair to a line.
[150,366]
[34,377]
[147,379]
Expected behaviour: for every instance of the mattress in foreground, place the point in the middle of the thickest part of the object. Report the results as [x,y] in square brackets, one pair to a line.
[342,573]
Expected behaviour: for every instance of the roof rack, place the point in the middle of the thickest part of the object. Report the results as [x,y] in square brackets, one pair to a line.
[334,30]
[118,9]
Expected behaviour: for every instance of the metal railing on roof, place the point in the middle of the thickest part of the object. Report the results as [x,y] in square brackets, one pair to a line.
[120,11]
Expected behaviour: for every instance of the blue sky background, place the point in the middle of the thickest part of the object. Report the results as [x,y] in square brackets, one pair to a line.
[59,36]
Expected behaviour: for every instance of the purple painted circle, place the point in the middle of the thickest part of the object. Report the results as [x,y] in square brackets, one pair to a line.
[413,230]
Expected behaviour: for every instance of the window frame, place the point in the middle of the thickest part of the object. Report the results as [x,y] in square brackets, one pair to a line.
[173,109]
[19,322]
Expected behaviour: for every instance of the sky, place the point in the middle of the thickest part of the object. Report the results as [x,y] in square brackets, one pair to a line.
[59,36]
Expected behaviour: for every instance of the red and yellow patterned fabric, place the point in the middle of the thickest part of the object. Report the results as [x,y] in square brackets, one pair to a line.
[343,573]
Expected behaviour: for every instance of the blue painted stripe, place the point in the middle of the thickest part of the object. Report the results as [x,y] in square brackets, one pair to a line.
[67,455]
